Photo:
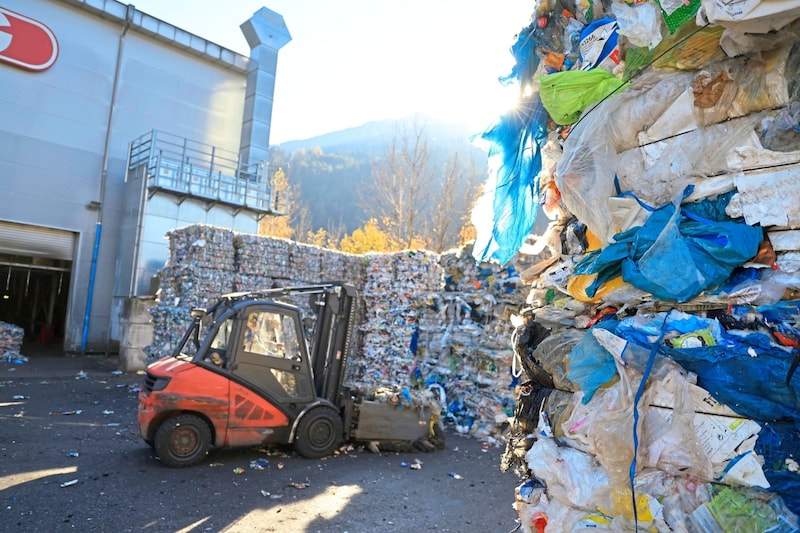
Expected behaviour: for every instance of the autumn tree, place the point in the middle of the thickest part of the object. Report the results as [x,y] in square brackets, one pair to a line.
[293,220]
[370,238]
[326,238]
[318,238]
[278,225]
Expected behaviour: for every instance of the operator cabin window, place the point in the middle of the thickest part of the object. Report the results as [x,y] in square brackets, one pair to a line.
[274,335]
[271,334]
[218,351]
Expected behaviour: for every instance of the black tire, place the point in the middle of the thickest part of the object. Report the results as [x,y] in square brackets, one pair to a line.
[319,433]
[182,441]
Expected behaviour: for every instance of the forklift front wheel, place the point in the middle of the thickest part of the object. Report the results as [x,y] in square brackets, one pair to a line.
[319,433]
[182,440]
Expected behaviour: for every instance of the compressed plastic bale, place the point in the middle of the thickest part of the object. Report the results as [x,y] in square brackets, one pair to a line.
[202,246]
[740,86]
[539,513]
[736,43]
[585,174]
[604,427]
[390,329]
[572,477]
[754,16]
[169,324]
[246,282]
[262,256]
[673,434]
[762,199]
[189,285]
[689,48]
[733,509]
[552,356]
[341,266]
[305,263]
[11,337]
[655,175]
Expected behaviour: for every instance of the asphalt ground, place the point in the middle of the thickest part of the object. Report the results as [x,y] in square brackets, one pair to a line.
[71,459]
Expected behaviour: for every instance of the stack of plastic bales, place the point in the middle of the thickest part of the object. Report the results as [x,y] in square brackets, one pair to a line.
[11,337]
[201,264]
[260,262]
[169,323]
[660,340]
[305,261]
[341,266]
[394,289]
[463,347]
[418,341]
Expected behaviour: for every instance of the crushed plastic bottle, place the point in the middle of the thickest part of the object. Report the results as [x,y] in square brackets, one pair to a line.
[259,464]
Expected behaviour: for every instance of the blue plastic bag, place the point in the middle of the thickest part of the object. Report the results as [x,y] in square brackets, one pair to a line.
[673,256]
[590,365]
[512,188]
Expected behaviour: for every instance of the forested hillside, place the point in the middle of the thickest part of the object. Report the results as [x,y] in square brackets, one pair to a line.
[331,173]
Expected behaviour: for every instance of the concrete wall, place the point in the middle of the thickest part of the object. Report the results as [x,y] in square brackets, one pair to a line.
[136,325]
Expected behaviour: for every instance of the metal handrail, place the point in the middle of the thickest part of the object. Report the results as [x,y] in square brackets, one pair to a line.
[190,168]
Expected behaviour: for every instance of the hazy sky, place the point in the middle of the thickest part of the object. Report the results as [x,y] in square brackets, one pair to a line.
[353,61]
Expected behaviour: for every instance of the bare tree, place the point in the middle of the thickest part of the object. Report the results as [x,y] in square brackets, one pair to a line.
[400,185]
[336,231]
[300,218]
[457,188]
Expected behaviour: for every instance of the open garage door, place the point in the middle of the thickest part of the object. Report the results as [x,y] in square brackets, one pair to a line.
[35,268]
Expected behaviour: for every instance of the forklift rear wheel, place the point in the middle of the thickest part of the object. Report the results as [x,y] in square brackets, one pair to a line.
[319,433]
[182,441]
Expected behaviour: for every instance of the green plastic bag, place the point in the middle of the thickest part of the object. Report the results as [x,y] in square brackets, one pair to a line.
[565,95]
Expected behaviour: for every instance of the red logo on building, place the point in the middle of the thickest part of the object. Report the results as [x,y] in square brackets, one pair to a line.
[25,42]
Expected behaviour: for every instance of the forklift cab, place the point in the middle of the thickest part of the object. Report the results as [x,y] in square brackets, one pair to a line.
[264,346]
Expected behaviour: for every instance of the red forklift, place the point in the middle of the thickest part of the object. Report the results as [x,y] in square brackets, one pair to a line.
[244,374]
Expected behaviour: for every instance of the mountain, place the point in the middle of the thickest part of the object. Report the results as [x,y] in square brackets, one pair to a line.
[378,134]
[330,170]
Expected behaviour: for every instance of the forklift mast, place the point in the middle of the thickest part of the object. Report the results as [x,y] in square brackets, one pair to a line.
[332,339]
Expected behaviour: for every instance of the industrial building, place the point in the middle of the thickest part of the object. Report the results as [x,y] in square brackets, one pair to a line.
[115,128]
